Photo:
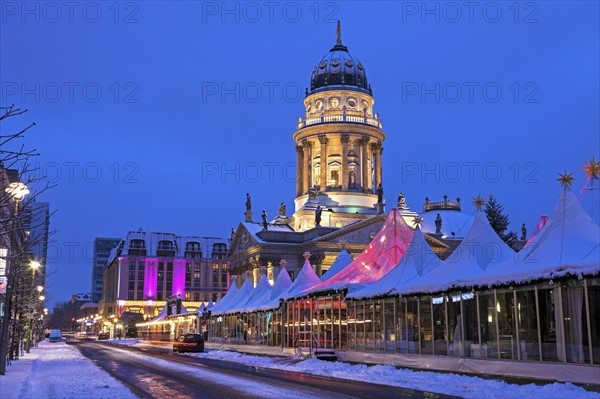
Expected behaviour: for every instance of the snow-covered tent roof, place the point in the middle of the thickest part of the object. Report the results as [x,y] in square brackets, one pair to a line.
[239,300]
[379,257]
[569,243]
[343,259]
[480,250]
[455,224]
[307,278]
[224,302]
[261,294]
[282,283]
[205,308]
[162,315]
[589,196]
[418,260]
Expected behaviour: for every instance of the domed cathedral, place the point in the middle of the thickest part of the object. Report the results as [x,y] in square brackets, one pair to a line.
[339,143]
[339,202]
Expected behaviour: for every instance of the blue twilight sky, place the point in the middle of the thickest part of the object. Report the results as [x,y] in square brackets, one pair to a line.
[163,115]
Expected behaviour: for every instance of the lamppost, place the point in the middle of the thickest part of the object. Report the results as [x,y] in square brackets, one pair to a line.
[17,191]
[34,267]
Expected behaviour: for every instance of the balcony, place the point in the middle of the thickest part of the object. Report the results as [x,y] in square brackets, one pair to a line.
[441,205]
[337,118]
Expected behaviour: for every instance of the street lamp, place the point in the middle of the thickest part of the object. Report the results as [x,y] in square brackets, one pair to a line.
[42,298]
[40,289]
[17,191]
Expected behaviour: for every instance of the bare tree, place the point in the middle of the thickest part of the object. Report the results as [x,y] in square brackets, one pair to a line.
[17,281]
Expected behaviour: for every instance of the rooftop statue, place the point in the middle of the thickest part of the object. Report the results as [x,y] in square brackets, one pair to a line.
[264,220]
[438,224]
[248,202]
[402,202]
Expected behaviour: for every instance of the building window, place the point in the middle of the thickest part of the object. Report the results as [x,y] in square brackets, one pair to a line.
[188,296]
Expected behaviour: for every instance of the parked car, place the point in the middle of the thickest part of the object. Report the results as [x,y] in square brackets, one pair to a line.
[189,343]
[55,336]
[103,336]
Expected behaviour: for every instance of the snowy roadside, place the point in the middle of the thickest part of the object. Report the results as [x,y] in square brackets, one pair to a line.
[57,370]
[444,383]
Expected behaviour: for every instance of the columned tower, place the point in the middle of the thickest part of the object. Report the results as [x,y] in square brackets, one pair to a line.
[339,144]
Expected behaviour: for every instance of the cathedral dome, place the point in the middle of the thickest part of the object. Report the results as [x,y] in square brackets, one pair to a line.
[339,70]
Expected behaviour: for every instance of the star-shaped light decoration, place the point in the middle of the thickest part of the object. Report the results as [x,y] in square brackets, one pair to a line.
[417,221]
[306,255]
[478,201]
[592,169]
[565,179]
[283,262]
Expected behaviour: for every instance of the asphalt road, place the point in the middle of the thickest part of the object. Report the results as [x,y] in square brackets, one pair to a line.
[158,373]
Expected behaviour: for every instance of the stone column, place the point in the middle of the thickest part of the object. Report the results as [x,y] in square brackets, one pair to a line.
[305,165]
[299,167]
[344,169]
[364,163]
[378,170]
[323,141]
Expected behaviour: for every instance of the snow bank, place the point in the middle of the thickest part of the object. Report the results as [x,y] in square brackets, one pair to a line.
[56,370]
[445,383]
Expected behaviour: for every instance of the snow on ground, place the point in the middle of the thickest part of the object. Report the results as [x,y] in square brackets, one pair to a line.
[56,370]
[446,383]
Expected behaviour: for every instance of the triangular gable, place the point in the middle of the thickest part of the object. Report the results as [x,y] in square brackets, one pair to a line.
[243,239]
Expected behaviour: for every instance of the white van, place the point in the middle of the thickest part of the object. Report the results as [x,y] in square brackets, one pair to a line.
[55,336]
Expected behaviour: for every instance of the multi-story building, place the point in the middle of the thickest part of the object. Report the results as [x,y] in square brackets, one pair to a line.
[102,248]
[36,222]
[146,268]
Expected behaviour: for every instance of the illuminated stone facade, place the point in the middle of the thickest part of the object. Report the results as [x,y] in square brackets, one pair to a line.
[339,144]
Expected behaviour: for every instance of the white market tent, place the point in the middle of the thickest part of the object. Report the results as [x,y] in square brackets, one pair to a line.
[480,250]
[239,300]
[343,259]
[224,302]
[162,316]
[282,283]
[569,243]
[307,278]
[261,293]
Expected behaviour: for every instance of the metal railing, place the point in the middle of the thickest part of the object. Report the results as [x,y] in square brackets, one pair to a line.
[342,117]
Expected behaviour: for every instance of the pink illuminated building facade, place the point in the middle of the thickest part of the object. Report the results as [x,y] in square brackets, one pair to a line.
[146,268]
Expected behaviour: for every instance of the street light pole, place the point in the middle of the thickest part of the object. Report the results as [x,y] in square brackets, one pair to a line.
[17,191]
[34,267]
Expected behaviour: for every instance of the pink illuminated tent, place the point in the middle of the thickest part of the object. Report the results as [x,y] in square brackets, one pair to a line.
[419,260]
[378,258]
[540,225]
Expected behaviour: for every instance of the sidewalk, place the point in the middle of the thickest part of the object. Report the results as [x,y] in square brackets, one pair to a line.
[56,370]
